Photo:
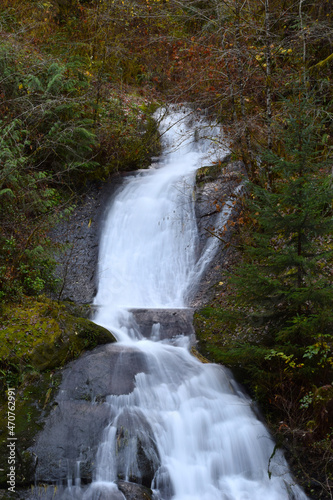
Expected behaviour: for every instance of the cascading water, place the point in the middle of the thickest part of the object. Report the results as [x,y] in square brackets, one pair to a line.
[144,411]
[148,252]
[190,419]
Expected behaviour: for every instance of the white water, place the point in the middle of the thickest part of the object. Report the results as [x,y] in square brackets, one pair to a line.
[148,255]
[211,445]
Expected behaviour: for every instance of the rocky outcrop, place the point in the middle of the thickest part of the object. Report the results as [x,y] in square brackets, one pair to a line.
[77,237]
[216,187]
[217,193]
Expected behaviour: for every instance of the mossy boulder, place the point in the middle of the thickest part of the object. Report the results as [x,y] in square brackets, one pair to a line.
[37,338]
[43,335]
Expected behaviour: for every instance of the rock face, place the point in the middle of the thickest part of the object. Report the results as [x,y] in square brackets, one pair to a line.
[78,238]
[216,186]
[81,232]
[217,193]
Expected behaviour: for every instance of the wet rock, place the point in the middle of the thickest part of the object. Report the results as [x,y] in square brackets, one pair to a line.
[160,324]
[104,491]
[71,436]
[95,491]
[107,370]
[215,187]
[75,426]
[77,238]
[217,192]
[163,484]
[134,491]
[137,454]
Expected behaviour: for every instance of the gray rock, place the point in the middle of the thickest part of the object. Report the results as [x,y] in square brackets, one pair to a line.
[216,186]
[162,324]
[71,435]
[77,237]
[107,370]
[163,484]
[74,428]
[137,454]
[134,491]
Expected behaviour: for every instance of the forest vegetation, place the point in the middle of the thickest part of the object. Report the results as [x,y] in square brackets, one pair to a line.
[79,81]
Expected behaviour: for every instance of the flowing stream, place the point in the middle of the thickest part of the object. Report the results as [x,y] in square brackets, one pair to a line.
[190,417]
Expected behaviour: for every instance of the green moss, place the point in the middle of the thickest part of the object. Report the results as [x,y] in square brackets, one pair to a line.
[210,173]
[43,335]
[33,402]
[221,340]
[214,337]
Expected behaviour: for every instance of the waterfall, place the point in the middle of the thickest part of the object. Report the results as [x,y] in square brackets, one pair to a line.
[190,418]
[144,412]
[148,255]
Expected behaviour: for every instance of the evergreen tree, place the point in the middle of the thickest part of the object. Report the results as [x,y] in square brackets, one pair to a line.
[285,283]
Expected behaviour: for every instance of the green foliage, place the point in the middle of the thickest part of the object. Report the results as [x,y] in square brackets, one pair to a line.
[287,273]
[288,269]
[57,126]
[127,134]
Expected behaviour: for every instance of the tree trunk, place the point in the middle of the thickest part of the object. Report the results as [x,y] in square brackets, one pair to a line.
[268,56]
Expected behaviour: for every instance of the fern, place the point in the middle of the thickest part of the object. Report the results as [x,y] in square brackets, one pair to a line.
[33,83]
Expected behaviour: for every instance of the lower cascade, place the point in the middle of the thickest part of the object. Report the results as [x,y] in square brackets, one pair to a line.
[160,418]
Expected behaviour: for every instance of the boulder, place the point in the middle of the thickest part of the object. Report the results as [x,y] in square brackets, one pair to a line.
[80,414]
[137,454]
[134,491]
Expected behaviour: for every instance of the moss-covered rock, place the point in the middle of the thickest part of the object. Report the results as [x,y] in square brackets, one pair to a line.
[42,335]
[211,173]
[36,339]
[33,401]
